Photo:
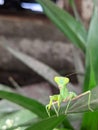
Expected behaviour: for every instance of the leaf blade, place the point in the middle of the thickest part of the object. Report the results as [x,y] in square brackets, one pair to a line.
[91,78]
[77,34]
[30,104]
[47,124]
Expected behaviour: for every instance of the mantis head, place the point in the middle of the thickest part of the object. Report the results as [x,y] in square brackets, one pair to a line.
[61,81]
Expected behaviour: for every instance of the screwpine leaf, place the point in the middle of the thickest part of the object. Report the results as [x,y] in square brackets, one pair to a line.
[90,120]
[47,124]
[28,103]
[76,34]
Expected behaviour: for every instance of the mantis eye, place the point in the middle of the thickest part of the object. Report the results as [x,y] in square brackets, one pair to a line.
[61,80]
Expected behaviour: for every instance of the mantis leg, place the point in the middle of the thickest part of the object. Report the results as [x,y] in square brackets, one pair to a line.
[56,111]
[68,106]
[69,99]
[47,110]
[89,98]
[53,99]
[59,102]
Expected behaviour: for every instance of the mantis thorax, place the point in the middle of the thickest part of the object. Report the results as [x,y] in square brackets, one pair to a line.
[64,92]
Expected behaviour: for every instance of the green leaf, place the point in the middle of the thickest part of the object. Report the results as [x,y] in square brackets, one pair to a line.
[61,129]
[35,121]
[30,104]
[73,29]
[47,124]
[73,5]
[91,77]
[90,120]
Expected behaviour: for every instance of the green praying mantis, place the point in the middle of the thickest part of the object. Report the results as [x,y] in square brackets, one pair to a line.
[64,96]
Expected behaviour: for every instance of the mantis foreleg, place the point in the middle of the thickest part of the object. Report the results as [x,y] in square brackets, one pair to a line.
[53,99]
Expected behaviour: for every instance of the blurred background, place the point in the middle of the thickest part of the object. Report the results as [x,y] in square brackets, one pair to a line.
[25,27]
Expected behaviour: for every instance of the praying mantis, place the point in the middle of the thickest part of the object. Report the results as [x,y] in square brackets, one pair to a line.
[64,96]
